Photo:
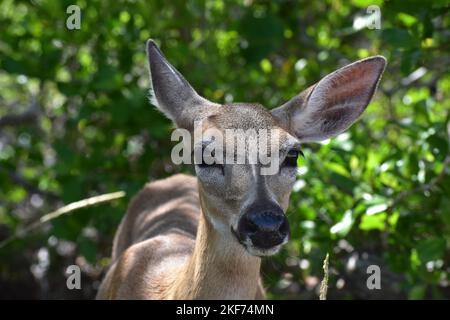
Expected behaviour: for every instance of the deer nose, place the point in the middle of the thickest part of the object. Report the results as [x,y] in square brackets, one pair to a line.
[266,229]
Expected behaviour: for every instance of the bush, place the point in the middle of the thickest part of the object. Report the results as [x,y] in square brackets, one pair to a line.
[75,122]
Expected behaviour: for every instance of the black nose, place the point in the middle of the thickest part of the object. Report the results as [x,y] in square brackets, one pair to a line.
[265,228]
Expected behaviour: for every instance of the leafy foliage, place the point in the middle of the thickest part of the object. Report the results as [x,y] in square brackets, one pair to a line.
[75,121]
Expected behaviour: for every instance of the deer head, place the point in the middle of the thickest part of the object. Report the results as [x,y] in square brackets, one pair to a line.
[241,204]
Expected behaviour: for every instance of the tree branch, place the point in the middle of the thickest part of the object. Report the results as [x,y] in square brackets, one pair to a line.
[17,178]
[28,116]
[422,188]
[89,202]
[425,187]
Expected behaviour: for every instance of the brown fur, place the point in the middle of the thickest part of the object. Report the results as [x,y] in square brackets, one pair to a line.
[156,256]
[175,242]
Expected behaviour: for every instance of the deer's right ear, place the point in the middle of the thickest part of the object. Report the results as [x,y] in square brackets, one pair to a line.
[171,93]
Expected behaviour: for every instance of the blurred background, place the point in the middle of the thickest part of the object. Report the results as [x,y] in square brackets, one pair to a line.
[75,122]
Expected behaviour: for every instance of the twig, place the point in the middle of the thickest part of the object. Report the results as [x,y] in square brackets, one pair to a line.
[426,187]
[422,188]
[324,283]
[17,178]
[64,210]
[27,116]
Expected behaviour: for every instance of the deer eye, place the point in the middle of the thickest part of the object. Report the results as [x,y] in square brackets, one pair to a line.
[291,158]
[214,165]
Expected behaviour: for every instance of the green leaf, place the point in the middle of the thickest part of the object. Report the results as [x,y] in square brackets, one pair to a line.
[373,222]
[365,3]
[409,61]
[400,38]
[342,182]
[376,209]
[431,249]
[417,292]
[88,249]
[343,227]
[263,35]
[407,19]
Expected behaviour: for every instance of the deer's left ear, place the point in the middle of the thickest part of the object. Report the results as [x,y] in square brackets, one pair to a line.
[333,104]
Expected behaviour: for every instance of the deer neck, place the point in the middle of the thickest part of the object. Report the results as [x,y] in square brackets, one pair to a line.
[219,268]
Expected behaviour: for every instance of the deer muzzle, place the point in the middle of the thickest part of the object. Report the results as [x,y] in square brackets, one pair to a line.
[263,229]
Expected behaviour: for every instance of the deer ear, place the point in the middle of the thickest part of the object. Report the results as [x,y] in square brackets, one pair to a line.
[170,92]
[333,104]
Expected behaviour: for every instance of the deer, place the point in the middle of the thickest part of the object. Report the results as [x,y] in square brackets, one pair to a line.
[204,236]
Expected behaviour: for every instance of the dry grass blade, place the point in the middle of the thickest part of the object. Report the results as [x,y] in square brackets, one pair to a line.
[324,283]
[64,210]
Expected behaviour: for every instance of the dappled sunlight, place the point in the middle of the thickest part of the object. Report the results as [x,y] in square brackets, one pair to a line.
[79,137]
